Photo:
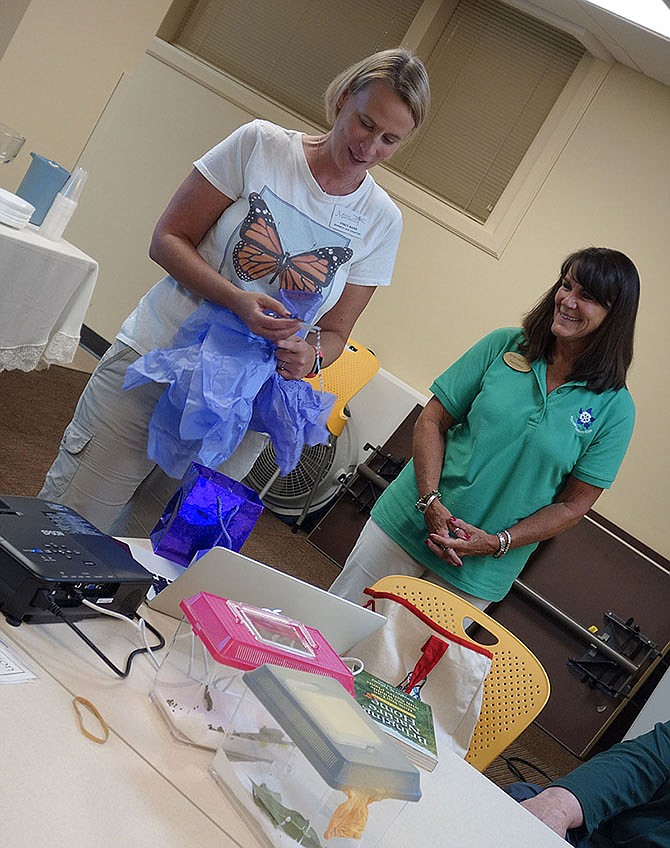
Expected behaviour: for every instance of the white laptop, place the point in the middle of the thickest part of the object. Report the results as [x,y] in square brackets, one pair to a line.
[231,575]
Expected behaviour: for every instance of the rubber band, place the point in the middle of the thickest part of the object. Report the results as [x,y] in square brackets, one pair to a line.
[100,740]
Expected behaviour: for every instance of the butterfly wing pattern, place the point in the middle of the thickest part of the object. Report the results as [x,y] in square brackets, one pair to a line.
[259,253]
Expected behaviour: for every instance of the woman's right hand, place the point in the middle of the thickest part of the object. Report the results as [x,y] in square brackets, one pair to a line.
[195,207]
[264,315]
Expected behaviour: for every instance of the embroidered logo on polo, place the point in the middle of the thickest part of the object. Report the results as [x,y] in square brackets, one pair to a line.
[582,422]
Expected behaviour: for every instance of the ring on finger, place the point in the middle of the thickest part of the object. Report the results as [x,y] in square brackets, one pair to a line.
[282,366]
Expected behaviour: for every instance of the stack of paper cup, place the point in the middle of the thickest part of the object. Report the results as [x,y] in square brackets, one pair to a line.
[62,209]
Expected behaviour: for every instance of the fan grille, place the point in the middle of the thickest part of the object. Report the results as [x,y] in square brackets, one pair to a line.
[287,495]
[293,489]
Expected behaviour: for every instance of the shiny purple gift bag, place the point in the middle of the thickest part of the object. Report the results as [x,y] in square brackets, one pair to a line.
[208,510]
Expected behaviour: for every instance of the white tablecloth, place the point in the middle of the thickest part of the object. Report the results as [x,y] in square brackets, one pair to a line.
[45,289]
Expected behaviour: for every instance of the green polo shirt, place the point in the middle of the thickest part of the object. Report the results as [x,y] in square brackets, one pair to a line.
[508,455]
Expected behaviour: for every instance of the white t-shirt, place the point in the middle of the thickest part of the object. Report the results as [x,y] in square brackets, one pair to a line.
[281,230]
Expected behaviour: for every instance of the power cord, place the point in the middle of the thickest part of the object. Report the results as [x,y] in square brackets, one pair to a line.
[140,625]
[510,763]
[44,601]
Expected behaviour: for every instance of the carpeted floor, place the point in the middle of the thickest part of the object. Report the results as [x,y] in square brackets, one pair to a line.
[35,408]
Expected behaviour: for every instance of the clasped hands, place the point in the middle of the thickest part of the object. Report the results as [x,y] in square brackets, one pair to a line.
[451,538]
[267,317]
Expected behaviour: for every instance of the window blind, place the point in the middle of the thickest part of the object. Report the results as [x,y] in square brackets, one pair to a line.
[290,50]
[495,74]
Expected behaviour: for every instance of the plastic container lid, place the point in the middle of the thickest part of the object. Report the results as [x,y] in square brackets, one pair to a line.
[244,636]
[336,736]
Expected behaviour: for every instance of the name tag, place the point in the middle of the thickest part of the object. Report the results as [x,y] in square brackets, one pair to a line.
[516,361]
[348,223]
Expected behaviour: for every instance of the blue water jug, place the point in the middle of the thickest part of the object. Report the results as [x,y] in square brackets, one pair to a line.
[40,185]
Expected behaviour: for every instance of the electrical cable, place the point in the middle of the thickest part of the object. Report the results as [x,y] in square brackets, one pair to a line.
[509,762]
[43,600]
[141,626]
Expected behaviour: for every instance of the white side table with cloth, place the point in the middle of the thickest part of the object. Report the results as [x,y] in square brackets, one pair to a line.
[45,289]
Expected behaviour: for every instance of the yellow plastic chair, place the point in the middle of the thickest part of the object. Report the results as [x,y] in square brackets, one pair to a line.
[355,367]
[516,688]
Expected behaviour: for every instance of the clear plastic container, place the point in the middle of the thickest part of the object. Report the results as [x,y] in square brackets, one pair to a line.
[198,686]
[58,217]
[196,696]
[305,765]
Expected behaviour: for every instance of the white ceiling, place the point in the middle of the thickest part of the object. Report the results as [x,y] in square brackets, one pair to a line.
[605,35]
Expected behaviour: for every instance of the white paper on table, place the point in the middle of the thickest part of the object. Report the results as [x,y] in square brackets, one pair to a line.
[12,669]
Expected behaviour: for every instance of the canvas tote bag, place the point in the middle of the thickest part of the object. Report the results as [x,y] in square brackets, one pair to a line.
[428,661]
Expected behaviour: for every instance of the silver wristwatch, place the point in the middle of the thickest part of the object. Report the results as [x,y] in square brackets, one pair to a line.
[426,500]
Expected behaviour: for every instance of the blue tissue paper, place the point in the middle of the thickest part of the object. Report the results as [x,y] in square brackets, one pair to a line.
[221,380]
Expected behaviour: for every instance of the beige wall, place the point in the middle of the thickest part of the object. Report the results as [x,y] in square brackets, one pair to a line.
[61,67]
[609,187]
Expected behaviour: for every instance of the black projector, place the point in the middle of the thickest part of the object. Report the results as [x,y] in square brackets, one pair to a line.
[47,549]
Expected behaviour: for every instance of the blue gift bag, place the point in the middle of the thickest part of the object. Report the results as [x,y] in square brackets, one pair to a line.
[208,510]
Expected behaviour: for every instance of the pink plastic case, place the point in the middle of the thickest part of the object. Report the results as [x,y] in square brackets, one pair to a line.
[245,637]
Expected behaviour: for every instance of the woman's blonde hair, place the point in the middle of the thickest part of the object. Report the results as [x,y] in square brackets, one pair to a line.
[399,68]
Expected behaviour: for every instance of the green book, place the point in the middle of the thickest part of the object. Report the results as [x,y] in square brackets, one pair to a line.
[407,720]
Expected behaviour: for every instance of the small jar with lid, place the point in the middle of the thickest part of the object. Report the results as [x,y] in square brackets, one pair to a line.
[198,686]
[322,774]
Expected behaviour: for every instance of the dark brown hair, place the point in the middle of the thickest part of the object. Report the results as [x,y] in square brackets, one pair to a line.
[612,279]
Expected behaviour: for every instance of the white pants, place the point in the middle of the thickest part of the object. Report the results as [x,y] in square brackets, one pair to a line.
[102,470]
[376,555]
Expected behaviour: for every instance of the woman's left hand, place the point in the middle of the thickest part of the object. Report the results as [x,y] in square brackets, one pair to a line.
[467,540]
[295,358]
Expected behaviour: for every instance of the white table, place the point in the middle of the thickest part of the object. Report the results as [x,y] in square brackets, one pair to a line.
[45,289]
[142,788]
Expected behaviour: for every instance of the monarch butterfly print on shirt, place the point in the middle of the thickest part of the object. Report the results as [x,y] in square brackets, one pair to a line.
[259,253]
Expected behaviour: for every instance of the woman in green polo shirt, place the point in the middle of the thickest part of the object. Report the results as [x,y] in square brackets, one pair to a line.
[519,439]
